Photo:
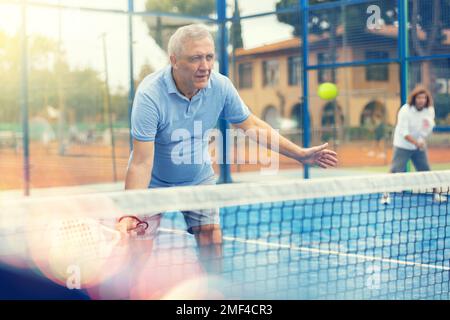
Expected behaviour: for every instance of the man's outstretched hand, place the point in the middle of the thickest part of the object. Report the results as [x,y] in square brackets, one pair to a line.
[320,156]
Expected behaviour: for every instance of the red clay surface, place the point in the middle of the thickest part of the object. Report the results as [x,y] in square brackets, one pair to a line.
[88,164]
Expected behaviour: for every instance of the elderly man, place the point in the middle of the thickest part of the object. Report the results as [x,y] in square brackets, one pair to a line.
[181,96]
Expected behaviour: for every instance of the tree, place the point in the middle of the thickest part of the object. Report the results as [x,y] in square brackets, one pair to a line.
[236,29]
[162,28]
[431,18]
[9,78]
[188,7]
[320,21]
[146,69]
[83,88]
[290,18]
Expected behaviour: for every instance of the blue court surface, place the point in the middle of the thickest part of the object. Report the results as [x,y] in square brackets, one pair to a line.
[333,248]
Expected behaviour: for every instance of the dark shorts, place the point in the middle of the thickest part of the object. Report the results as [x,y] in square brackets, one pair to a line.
[402,156]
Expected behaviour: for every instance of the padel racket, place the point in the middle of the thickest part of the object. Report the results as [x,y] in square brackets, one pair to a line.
[81,244]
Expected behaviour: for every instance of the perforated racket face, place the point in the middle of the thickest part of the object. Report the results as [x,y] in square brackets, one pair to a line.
[83,243]
[79,239]
[62,236]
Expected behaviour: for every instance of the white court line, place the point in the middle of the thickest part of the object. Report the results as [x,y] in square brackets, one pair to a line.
[322,251]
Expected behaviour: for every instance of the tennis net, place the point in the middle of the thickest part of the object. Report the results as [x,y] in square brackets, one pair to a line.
[295,239]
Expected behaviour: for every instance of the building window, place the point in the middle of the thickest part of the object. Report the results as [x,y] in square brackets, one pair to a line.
[270,72]
[245,75]
[294,71]
[377,72]
[325,75]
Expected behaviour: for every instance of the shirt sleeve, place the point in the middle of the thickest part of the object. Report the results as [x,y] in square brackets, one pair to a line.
[144,118]
[403,121]
[234,110]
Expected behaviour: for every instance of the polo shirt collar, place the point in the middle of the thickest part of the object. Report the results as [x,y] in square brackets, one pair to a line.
[168,79]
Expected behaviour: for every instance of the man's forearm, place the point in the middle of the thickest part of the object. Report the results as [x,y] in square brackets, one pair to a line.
[270,138]
[410,139]
[138,176]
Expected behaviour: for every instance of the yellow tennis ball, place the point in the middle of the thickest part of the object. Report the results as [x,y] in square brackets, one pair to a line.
[328,91]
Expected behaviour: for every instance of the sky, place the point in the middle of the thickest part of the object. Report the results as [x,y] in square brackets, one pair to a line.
[81,33]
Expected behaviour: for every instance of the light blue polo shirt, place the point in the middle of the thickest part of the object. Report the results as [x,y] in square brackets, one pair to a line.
[179,126]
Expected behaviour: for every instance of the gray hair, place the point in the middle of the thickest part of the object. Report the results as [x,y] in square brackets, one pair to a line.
[185,33]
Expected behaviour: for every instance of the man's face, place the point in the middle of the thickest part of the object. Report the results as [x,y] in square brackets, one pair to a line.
[194,65]
[421,101]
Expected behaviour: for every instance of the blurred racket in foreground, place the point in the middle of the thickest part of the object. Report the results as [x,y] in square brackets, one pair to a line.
[71,247]
[80,247]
